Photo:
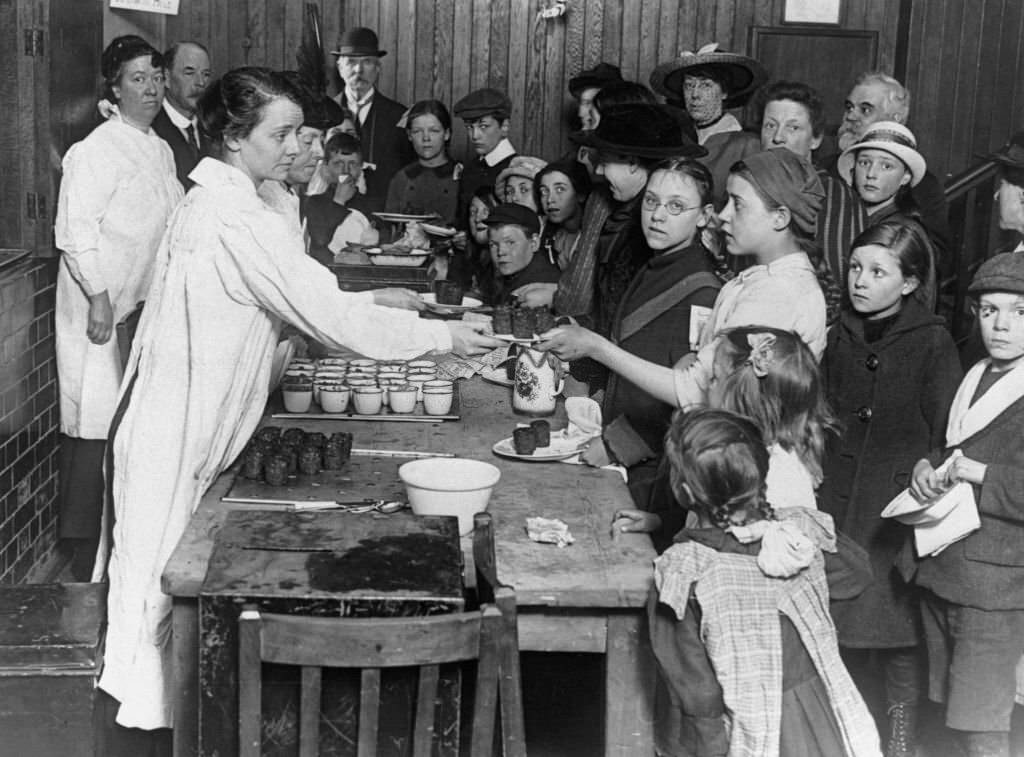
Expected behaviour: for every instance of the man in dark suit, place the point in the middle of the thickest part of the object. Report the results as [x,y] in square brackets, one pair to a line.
[385,144]
[187,69]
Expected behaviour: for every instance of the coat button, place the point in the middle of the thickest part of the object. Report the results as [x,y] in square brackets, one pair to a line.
[872,362]
[864,413]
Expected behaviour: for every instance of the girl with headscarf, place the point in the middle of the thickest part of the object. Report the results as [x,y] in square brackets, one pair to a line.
[771,215]
[118,189]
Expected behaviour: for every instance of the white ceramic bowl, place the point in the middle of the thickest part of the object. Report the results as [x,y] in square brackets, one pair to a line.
[449,486]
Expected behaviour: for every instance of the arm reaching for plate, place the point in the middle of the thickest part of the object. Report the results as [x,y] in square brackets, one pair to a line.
[575,342]
[468,340]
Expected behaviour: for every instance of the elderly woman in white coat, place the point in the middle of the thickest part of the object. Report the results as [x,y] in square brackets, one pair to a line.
[230,272]
[118,190]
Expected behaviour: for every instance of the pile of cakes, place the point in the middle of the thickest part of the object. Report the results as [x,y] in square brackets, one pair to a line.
[527,439]
[273,455]
[369,386]
[522,322]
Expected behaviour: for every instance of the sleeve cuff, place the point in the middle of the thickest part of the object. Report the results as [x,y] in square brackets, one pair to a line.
[86,270]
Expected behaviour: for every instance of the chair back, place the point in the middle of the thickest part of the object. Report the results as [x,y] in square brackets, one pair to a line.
[370,644]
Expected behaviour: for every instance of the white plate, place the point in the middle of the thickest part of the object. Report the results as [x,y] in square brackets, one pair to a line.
[468,303]
[405,217]
[496,376]
[388,257]
[438,231]
[516,339]
[559,449]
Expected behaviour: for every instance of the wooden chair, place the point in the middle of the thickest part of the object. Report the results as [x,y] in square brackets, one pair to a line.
[490,590]
[371,644]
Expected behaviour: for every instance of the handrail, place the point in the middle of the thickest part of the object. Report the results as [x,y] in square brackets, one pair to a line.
[970,197]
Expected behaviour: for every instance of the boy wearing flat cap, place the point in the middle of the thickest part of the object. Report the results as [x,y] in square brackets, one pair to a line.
[514,238]
[485,113]
[973,608]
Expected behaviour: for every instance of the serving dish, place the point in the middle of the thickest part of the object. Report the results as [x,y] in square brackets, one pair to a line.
[396,257]
[560,448]
[468,303]
[405,217]
[496,376]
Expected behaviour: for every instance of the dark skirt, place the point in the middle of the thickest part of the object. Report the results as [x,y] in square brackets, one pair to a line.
[81,487]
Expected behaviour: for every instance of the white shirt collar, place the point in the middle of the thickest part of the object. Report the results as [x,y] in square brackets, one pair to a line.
[779,266]
[176,118]
[723,125]
[501,151]
[357,102]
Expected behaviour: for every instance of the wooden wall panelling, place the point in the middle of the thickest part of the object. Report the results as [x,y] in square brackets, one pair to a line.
[630,40]
[424,49]
[519,49]
[1005,74]
[480,56]
[403,64]
[611,34]
[551,124]
[387,24]
[593,36]
[964,124]
[542,104]
[445,44]
[988,57]
[669,21]
[12,190]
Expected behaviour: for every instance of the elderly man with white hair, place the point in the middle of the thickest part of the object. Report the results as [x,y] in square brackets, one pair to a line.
[876,96]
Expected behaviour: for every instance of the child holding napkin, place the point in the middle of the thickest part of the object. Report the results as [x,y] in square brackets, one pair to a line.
[973,606]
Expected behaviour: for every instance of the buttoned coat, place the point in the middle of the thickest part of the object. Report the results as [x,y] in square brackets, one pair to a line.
[892,397]
[385,144]
[185,156]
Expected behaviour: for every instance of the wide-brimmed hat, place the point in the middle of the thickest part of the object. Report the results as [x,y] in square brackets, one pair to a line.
[893,138]
[521,165]
[643,131]
[601,74]
[740,75]
[359,42]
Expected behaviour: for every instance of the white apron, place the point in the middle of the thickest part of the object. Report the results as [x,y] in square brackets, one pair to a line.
[230,270]
[118,190]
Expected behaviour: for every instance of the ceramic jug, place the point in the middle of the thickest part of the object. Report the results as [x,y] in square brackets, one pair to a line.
[536,384]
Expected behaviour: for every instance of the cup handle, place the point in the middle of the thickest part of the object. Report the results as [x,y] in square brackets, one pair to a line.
[558,387]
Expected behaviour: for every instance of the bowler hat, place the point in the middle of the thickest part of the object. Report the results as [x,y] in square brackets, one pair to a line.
[738,74]
[891,137]
[1012,154]
[1000,273]
[601,74]
[643,131]
[359,42]
[511,213]
[484,102]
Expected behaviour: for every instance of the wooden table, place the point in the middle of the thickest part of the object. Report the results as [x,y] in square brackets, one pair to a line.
[588,597]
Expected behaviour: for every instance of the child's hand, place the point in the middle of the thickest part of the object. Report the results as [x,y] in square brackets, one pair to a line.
[630,521]
[925,483]
[966,469]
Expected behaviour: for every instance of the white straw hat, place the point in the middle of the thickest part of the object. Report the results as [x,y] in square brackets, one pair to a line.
[891,137]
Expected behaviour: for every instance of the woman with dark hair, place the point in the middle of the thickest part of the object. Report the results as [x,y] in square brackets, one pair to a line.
[118,189]
[231,271]
[430,184]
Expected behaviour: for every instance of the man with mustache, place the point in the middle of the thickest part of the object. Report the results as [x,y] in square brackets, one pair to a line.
[187,69]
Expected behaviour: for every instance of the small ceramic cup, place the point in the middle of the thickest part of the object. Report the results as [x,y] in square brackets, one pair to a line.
[414,364]
[392,365]
[438,384]
[363,362]
[332,362]
[390,375]
[437,400]
[402,398]
[334,398]
[297,395]
[355,381]
[368,400]
[418,382]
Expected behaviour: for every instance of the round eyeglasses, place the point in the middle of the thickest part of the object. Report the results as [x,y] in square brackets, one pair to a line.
[673,207]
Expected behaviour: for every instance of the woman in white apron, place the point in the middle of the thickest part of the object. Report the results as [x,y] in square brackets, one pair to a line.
[117,192]
[230,272]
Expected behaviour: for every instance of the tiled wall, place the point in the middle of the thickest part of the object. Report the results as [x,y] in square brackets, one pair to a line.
[28,418]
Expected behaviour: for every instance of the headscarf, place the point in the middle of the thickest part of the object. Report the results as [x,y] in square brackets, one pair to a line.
[791,181]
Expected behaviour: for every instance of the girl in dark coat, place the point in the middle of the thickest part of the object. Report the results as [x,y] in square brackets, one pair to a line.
[891,370]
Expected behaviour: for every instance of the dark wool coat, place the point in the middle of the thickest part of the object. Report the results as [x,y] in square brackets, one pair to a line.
[892,398]
[986,570]
[185,158]
[384,143]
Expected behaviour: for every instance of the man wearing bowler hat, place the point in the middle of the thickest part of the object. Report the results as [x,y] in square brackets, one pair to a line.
[385,145]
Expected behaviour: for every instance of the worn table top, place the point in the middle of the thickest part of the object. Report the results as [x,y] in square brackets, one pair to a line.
[597,571]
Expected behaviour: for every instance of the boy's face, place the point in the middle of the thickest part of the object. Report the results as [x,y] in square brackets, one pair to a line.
[486,132]
[1001,317]
[511,249]
[344,164]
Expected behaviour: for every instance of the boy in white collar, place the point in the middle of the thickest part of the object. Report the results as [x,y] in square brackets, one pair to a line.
[973,606]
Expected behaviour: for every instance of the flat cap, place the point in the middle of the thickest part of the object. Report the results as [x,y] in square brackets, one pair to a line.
[510,213]
[484,102]
[1000,273]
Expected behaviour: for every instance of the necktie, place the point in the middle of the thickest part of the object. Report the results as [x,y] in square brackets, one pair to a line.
[190,136]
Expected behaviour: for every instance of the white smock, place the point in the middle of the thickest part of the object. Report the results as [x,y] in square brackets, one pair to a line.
[784,294]
[229,272]
[118,190]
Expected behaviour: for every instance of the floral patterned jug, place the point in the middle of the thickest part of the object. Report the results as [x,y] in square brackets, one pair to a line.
[536,384]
